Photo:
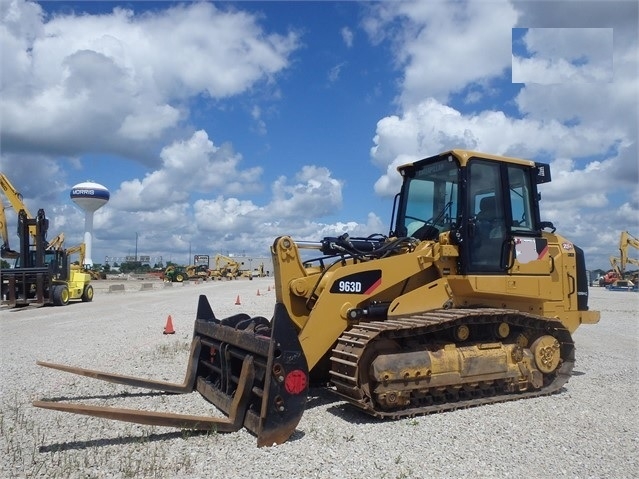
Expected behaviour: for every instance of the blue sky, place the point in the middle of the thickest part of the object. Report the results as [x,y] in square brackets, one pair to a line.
[217,126]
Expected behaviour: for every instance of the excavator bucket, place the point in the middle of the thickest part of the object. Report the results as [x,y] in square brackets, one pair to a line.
[251,369]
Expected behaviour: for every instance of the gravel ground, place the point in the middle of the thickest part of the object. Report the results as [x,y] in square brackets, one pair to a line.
[590,429]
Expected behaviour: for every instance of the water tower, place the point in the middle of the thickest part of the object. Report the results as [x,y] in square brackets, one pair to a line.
[89,196]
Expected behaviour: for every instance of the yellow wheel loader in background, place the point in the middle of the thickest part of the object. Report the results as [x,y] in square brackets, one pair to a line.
[469,300]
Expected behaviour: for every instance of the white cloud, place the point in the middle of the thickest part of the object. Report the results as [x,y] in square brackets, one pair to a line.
[260,124]
[29,173]
[226,215]
[565,55]
[442,47]
[294,209]
[106,83]
[225,220]
[571,44]
[431,127]
[347,36]
[148,123]
[335,72]
[196,165]
[315,194]
[548,72]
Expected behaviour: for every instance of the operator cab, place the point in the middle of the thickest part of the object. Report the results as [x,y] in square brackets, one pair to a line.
[482,200]
[56,260]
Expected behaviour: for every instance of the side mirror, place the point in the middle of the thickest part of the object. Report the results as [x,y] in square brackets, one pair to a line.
[547,224]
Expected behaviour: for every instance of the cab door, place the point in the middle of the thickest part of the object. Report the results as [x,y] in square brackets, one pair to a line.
[503,233]
[487,230]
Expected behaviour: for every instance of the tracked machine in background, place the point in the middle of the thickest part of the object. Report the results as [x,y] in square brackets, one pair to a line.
[471,299]
[179,274]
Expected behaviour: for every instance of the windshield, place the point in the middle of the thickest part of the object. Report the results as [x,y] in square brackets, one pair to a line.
[429,206]
[49,257]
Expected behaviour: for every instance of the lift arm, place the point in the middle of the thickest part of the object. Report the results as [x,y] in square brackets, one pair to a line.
[16,200]
[626,240]
[6,251]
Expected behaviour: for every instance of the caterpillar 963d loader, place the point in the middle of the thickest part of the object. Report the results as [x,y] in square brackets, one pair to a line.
[467,301]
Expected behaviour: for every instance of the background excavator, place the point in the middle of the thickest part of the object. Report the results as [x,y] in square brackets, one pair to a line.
[618,279]
[79,264]
[42,272]
[226,267]
[16,202]
[471,299]
[5,248]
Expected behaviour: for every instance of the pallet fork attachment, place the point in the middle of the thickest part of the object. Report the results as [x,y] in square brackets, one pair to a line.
[257,376]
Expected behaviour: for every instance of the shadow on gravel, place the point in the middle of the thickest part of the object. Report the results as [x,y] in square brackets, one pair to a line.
[108,396]
[317,397]
[323,396]
[15,310]
[118,441]
[123,441]
[33,307]
[296,436]
[320,396]
[351,414]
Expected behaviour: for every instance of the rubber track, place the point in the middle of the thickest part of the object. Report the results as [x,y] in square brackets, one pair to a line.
[353,343]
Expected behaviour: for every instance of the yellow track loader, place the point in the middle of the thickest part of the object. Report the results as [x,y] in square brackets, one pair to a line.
[470,299]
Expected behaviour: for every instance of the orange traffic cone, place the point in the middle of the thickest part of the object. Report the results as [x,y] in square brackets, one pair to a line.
[258,292]
[168,329]
[237,301]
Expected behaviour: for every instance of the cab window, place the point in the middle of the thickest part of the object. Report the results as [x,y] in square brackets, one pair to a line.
[431,201]
[520,200]
[488,222]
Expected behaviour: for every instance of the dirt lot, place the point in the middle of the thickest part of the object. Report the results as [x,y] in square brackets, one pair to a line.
[590,429]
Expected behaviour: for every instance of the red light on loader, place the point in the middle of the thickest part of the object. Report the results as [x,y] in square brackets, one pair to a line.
[295,381]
